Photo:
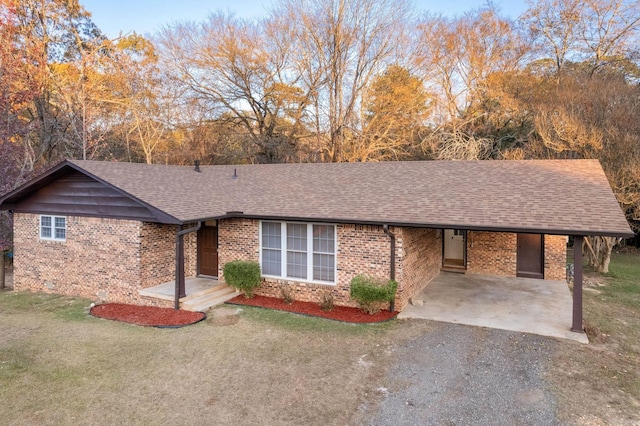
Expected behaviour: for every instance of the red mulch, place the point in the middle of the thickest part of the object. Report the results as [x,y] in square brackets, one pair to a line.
[338,313]
[147,315]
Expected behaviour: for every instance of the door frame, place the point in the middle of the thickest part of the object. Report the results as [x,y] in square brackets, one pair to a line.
[464,248]
[199,251]
[526,274]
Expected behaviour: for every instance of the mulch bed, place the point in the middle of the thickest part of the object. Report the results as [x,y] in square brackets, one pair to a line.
[338,313]
[147,315]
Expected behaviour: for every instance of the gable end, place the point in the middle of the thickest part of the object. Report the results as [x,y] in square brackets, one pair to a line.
[77,194]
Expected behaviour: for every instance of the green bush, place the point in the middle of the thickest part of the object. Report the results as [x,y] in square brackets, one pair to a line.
[372,293]
[242,275]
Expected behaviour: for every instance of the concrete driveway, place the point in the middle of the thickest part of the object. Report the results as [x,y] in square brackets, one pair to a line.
[528,305]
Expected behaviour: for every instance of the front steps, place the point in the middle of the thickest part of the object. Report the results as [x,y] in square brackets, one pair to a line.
[206,299]
[202,293]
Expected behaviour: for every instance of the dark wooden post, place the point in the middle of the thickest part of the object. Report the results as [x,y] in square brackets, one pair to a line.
[179,280]
[180,290]
[2,255]
[577,284]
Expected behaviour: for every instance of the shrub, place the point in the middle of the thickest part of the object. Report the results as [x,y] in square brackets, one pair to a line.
[242,275]
[287,294]
[326,303]
[371,293]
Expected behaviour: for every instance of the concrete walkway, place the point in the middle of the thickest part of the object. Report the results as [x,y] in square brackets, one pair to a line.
[518,304]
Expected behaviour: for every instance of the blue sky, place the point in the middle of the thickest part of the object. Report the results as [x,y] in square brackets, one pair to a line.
[146,16]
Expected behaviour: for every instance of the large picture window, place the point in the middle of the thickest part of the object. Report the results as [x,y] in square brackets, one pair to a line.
[300,251]
[53,228]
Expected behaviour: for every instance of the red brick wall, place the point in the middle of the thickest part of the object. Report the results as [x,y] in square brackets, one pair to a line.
[555,257]
[158,253]
[419,253]
[491,253]
[495,253]
[99,260]
[107,260]
[360,249]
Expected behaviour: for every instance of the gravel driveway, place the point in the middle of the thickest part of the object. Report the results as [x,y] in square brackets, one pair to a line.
[463,375]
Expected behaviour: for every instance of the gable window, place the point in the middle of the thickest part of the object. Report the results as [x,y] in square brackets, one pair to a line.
[300,251]
[53,228]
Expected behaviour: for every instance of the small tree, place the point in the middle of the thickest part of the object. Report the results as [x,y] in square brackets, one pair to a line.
[242,275]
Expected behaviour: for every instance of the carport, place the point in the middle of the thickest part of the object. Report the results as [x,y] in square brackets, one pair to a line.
[526,305]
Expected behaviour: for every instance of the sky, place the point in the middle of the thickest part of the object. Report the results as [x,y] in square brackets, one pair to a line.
[147,16]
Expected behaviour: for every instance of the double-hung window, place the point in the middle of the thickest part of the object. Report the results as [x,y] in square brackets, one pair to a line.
[53,228]
[299,251]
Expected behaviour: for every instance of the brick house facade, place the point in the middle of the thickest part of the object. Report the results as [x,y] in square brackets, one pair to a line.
[108,230]
[101,259]
[113,259]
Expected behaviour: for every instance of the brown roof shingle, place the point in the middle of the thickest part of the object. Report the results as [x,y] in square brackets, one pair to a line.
[552,196]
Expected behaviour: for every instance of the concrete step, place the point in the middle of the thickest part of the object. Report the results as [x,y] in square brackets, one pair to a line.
[210,299]
[454,268]
[196,294]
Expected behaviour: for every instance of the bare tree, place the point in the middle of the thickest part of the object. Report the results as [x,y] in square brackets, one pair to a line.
[554,24]
[595,31]
[458,55]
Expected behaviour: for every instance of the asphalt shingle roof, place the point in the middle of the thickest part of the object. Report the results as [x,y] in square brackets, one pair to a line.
[553,196]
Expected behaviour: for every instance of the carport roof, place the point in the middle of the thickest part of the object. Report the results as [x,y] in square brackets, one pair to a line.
[548,196]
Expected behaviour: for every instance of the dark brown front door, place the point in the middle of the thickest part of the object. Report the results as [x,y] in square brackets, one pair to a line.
[208,251]
[530,258]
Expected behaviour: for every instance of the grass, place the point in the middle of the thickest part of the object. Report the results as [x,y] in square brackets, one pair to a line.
[302,323]
[624,281]
[63,307]
[58,365]
[606,373]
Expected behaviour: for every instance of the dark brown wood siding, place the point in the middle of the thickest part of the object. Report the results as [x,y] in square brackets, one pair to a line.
[79,195]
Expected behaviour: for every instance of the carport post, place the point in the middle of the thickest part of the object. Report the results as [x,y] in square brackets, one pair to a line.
[577,284]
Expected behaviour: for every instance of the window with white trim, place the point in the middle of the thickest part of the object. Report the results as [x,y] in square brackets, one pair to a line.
[300,251]
[53,228]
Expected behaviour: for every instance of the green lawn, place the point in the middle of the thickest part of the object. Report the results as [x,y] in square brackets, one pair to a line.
[600,382]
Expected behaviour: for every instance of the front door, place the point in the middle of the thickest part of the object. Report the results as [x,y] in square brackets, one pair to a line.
[530,257]
[454,246]
[208,251]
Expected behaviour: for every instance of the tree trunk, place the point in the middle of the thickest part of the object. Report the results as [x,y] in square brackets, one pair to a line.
[598,250]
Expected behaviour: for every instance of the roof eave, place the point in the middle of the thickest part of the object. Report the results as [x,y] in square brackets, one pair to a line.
[524,230]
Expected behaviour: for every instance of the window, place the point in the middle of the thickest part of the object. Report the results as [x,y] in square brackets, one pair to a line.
[53,228]
[271,248]
[301,251]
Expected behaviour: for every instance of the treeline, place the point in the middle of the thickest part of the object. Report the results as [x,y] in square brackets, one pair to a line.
[326,80]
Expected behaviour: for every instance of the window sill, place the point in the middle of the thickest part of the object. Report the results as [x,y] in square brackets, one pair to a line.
[296,280]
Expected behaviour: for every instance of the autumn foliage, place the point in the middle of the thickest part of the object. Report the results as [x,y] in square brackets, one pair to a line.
[325,80]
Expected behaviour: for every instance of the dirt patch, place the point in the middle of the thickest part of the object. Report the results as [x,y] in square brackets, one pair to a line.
[338,313]
[146,315]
